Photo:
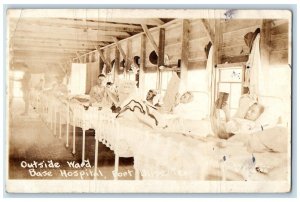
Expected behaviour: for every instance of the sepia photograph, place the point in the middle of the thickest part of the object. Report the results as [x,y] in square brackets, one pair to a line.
[148,101]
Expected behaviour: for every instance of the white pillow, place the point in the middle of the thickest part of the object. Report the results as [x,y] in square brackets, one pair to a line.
[272,111]
[246,101]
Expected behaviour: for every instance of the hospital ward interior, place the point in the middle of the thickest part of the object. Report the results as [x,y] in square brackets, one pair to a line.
[96,97]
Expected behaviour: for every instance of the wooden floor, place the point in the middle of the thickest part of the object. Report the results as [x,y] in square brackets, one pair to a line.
[31,139]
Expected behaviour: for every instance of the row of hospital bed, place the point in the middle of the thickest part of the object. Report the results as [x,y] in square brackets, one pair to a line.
[159,154]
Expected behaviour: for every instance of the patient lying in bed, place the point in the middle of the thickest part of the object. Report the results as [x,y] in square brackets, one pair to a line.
[249,130]
[231,126]
[154,116]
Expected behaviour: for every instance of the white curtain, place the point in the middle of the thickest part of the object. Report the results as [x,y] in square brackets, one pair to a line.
[92,76]
[77,84]
[254,75]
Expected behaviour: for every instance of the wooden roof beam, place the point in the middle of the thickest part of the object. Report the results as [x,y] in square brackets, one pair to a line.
[77,24]
[90,14]
[62,36]
[44,57]
[50,49]
[34,60]
[150,37]
[103,57]
[128,61]
[79,57]
[176,21]
[87,31]
[32,40]
[119,47]
[40,54]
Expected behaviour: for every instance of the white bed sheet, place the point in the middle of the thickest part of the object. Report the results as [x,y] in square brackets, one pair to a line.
[183,155]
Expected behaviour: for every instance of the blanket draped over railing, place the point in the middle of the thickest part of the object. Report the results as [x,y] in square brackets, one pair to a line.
[254,74]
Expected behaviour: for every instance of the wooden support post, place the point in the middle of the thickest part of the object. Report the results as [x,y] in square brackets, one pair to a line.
[86,58]
[217,42]
[143,63]
[117,63]
[217,45]
[91,58]
[265,43]
[128,54]
[265,47]
[150,37]
[184,52]
[161,54]
[101,63]
[107,59]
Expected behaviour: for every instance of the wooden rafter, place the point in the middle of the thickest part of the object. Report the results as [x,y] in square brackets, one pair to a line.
[103,58]
[120,48]
[150,37]
[61,36]
[79,24]
[83,14]
[60,42]
[48,35]
[80,59]
[18,53]
[36,60]
[78,31]
[51,49]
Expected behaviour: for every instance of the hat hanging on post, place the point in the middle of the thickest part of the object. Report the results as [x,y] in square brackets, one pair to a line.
[207,48]
[122,65]
[250,37]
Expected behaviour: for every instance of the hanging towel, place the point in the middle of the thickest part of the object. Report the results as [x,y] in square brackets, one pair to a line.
[254,78]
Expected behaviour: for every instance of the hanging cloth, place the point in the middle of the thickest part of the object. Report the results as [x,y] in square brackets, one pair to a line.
[254,78]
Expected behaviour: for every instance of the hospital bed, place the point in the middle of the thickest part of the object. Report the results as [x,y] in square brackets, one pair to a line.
[163,154]
[186,156]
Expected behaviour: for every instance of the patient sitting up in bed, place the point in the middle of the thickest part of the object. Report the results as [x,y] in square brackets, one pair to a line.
[231,126]
[152,115]
[101,94]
